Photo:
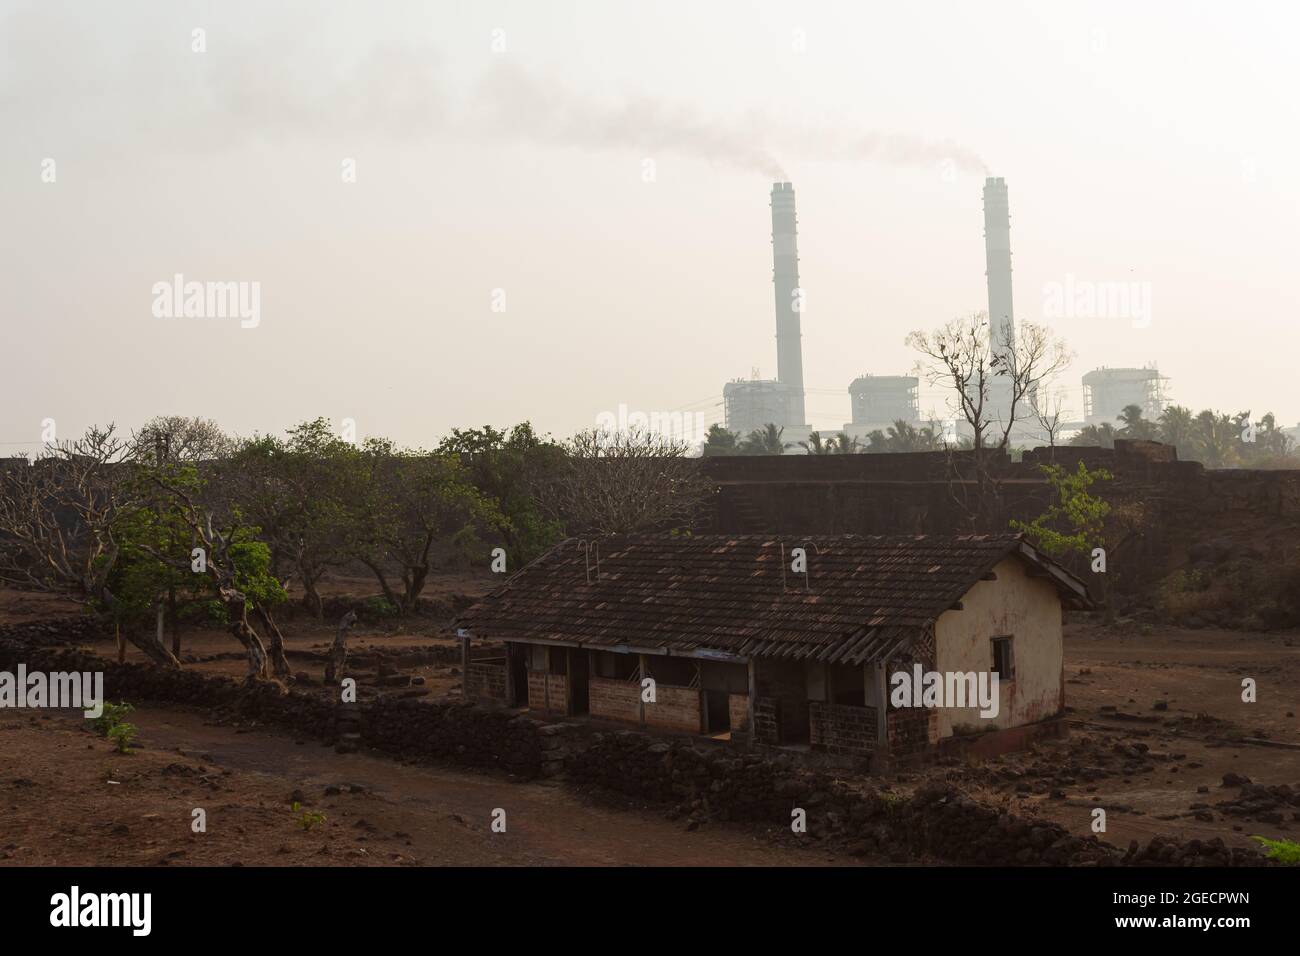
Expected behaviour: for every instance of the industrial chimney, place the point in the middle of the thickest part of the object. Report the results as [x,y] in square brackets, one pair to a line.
[997,258]
[789,302]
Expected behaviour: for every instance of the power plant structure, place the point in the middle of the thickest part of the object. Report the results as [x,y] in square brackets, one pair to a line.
[879,401]
[752,404]
[1108,391]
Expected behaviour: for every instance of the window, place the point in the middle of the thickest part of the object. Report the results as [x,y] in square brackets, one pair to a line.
[1004,662]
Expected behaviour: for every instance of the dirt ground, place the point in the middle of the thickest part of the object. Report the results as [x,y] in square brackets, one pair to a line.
[67,798]
[1156,723]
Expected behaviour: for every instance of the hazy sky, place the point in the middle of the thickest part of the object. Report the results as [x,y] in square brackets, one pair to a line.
[1147,143]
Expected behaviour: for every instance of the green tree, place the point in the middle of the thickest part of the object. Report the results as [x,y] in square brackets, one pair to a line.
[815,446]
[299,490]
[764,441]
[1177,428]
[720,441]
[512,469]
[417,511]
[1075,521]
[1134,426]
[1216,439]
[1094,436]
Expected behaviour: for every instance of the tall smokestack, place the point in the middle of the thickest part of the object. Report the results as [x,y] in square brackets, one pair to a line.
[997,257]
[789,301]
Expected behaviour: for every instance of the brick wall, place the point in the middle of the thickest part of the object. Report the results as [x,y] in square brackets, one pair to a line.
[675,708]
[767,726]
[485,680]
[611,699]
[909,729]
[841,729]
[539,683]
[738,707]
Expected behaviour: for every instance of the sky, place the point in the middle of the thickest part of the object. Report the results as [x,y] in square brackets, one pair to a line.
[466,213]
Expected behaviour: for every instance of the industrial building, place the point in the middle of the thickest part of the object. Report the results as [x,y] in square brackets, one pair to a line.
[1108,391]
[878,401]
[753,403]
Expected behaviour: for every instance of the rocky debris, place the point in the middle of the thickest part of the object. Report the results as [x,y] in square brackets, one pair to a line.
[52,633]
[1259,802]
[938,821]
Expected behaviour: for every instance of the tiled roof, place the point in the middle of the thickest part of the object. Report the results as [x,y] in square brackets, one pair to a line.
[866,596]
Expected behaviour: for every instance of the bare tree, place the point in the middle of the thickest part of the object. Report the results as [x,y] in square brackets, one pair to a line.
[57,518]
[622,482]
[991,391]
[1047,406]
[179,438]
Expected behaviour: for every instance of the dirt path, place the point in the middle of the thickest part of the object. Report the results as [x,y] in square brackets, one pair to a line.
[58,806]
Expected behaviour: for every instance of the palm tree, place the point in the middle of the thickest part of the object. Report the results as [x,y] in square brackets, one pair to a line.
[842,444]
[1177,428]
[719,441]
[904,436]
[1095,436]
[764,441]
[1216,436]
[1134,425]
[815,446]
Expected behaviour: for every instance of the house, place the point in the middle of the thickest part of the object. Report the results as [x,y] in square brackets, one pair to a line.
[812,643]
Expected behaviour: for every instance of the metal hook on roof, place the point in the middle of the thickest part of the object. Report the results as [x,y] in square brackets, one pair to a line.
[586,546]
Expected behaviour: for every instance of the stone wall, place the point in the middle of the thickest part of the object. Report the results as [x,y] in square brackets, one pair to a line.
[453,731]
[714,783]
[937,823]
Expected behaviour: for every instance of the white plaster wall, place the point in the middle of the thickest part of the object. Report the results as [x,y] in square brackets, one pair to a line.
[1027,608]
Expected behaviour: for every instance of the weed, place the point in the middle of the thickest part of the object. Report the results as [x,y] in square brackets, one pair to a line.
[1281,851]
[122,734]
[113,715]
[307,818]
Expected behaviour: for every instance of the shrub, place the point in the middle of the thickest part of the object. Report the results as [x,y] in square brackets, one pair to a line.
[1282,851]
[122,734]
[307,818]
[113,715]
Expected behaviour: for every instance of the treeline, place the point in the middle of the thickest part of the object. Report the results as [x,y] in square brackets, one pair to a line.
[1216,439]
[902,436]
[181,520]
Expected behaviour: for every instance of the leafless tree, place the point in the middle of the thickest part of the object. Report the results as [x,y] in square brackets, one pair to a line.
[623,482]
[181,439]
[57,516]
[990,391]
[1048,407]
